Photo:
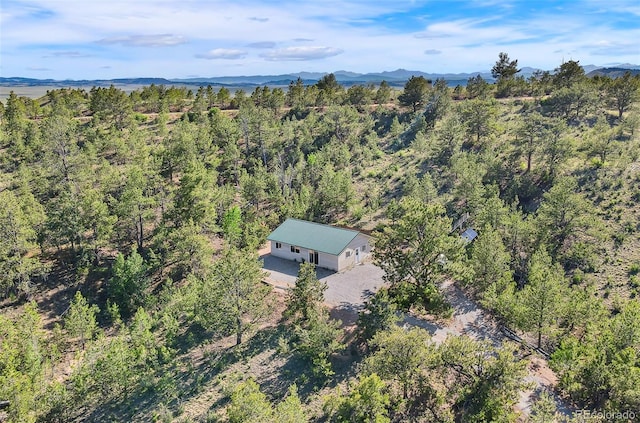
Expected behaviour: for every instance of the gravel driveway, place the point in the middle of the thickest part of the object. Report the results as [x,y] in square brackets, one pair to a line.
[346,290]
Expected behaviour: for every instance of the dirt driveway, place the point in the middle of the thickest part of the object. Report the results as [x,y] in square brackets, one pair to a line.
[470,320]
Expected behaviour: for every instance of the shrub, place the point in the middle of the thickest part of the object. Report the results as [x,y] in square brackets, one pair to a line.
[578,277]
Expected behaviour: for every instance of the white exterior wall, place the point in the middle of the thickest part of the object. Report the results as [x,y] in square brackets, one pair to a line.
[285,252]
[344,261]
[328,261]
[358,242]
[325,260]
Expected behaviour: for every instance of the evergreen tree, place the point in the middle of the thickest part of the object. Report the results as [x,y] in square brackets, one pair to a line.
[562,216]
[316,340]
[231,225]
[504,71]
[127,287]
[307,295]
[479,117]
[489,260]
[290,409]
[400,355]
[18,233]
[379,314]
[477,87]
[530,136]
[415,250]
[383,94]
[415,92]
[504,68]
[80,320]
[368,402]
[623,92]
[249,405]
[487,379]
[22,380]
[568,74]
[543,297]
[233,298]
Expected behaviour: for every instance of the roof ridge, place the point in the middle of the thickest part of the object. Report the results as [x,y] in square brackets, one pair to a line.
[323,224]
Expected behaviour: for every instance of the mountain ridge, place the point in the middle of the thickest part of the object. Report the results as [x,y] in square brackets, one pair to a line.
[395,78]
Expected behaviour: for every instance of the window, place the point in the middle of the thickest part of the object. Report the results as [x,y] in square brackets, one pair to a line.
[295,249]
[348,254]
[278,245]
[364,248]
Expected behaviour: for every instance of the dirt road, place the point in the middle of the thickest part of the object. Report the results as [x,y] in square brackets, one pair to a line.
[469,319]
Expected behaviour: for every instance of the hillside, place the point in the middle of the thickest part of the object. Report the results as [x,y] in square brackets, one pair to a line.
[131,287]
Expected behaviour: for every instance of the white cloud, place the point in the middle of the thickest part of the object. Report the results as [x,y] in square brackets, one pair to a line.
[301,53]
[432,52]
[222,53]
[607,48]
[155,40]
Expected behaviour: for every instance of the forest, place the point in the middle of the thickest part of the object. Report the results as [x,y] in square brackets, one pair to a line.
[131,287]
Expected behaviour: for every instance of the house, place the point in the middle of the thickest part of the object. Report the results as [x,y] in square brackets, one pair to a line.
[326,246]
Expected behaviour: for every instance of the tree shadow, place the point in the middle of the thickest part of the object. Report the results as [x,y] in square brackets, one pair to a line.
[182,378]
[185,376]
[56,291]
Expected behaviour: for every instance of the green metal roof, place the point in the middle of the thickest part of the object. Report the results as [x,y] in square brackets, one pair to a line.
[313,236]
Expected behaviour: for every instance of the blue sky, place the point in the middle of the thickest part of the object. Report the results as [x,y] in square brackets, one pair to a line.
[92,39]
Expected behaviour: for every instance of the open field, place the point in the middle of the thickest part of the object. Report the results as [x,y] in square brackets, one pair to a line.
[41,90]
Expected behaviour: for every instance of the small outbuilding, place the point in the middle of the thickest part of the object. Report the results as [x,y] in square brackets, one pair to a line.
[469,235]
[326,246]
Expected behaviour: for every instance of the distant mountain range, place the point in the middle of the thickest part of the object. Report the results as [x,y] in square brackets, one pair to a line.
[614,72]
[394,78]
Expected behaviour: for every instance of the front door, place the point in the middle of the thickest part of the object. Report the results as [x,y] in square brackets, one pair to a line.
[313,257]
[357,255]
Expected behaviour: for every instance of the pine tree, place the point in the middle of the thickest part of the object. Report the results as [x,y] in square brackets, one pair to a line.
[127,287]
[400,355]
[416,250]
[18,234]
[542,298]
[290,410]
[307,295]
[80,320]
[249,405]
[368,402]
[233,298]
